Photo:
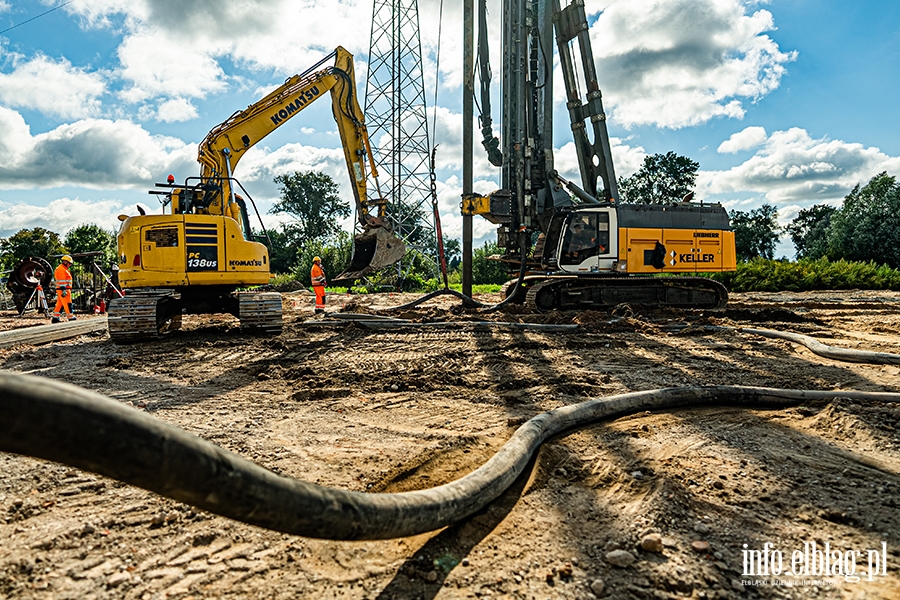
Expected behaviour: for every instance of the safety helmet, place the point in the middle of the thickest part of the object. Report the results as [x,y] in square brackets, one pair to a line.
[316,259]
[66,258]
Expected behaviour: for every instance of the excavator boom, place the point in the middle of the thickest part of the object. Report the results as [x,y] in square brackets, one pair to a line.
[194,258]
[226,144]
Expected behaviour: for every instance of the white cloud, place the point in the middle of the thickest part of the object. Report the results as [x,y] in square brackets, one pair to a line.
[98,13]
[675,63]
[173,48]
[53,88]
[15,134]
[260,165]
[61,215]
[4,6]
[158,64]
[176,110]
[626,159]
[93,153]
[792,167]
[747,139]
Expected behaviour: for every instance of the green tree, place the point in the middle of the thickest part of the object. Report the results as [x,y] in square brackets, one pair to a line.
[488,271]
[809,230]
[452,253]
[92,238]
[283,250]
[663,178]
[335,257]
[867,226]
[756,232]
[311,199]
[37,242]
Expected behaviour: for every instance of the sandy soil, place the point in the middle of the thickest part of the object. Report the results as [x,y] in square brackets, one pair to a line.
[409,408]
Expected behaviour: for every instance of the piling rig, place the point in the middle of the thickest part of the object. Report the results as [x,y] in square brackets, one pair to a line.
[577,245]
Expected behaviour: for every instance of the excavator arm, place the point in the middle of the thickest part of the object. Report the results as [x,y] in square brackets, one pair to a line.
[227,143]
[219,153]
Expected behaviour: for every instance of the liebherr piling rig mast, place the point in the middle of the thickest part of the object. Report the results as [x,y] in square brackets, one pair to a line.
[591,251]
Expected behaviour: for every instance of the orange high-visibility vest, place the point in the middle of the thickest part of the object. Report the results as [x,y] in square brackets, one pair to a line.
[63,278]
[317,274]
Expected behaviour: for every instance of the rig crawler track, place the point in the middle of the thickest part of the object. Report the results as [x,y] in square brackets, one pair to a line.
[597,292]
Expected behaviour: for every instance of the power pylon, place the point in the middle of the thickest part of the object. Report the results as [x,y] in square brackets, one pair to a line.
[398,125]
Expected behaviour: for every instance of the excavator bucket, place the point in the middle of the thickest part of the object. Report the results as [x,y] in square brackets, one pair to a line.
[373,249]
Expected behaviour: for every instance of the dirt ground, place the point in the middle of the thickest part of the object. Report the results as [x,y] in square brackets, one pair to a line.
[413,407]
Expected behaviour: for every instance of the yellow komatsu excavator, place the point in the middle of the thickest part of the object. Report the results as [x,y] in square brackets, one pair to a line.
[193,258]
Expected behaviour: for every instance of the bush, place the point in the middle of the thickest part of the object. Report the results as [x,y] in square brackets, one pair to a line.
[486,271]
[764,275]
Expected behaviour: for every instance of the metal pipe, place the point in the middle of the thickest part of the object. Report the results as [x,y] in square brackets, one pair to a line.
[468,138]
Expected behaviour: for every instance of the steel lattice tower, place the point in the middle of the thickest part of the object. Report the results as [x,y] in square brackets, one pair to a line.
[398,126]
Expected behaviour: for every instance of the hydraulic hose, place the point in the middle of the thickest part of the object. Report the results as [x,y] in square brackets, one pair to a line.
[519,279]
[833,352]
[467,301]
[63,423]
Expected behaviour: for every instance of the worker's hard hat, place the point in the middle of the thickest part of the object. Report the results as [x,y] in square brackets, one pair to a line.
[66,258]
[316,259]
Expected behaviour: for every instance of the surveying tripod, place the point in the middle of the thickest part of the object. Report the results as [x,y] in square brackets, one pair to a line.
[40,300]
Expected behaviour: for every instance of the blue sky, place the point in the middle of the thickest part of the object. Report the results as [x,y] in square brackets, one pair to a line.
[790,103]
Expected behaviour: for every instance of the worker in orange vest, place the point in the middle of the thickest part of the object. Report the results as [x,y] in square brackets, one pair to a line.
[63,278]
[317,274]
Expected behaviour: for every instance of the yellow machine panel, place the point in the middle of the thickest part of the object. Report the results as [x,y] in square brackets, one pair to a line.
[676,250]
[177,250]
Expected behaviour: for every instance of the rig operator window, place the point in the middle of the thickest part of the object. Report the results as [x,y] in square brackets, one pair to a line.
[586,235]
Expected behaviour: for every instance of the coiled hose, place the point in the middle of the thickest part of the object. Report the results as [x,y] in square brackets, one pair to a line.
[63,423]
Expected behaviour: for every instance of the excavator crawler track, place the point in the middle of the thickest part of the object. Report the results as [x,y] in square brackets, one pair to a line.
[260,311]
[139,315]
[583,293]
[144,313]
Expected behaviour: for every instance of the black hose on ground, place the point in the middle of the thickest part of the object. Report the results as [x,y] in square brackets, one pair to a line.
[63,423]
[833,352]
[469,301]
[520,278]
[367,321]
